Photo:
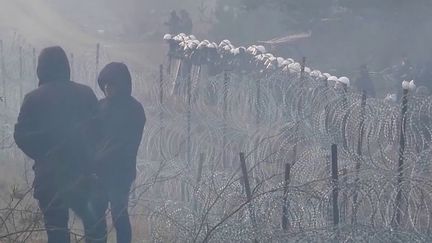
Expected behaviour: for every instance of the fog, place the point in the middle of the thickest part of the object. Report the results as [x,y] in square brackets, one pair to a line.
[344,34]
[272,120]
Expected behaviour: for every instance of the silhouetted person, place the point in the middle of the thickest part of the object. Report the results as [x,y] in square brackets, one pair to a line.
[121,118]
[186,24]
[173,23]
[364,82]
[49,130]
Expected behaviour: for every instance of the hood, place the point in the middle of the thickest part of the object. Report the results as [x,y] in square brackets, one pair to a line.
[117,73]
[53,66]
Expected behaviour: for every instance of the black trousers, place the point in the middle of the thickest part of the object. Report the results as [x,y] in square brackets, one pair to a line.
[118,196]
[84,199]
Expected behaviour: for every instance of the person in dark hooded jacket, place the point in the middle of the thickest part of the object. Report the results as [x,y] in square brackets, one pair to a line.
[173,23]
[122,120]
[49,130]
[186,23]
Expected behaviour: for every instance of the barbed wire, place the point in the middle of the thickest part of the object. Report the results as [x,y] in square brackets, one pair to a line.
[285,113]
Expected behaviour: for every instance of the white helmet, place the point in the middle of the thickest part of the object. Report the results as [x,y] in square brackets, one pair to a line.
[280,61]
[167,37]
[405,85]
[315,74]
[333,78]
[285,63]
[261,49]
[295,67]
[344,80]
[412,85]
[202,45]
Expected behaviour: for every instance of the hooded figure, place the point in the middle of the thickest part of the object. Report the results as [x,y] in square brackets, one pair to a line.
[49,130]
[121,121]
[186,24]
[173,23]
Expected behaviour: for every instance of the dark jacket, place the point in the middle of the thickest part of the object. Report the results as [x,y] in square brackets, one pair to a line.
[51,119]
[186,24]
[122,120]
[173,23]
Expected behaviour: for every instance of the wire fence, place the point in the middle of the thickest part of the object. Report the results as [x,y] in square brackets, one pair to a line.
[237,151]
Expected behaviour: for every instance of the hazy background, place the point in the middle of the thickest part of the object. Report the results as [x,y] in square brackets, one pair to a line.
[345,33]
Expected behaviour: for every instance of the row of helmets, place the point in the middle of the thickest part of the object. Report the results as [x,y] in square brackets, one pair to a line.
[188,46]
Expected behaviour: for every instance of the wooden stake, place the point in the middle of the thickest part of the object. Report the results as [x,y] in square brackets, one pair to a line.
[303,67]
[247,190]
[404,109]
